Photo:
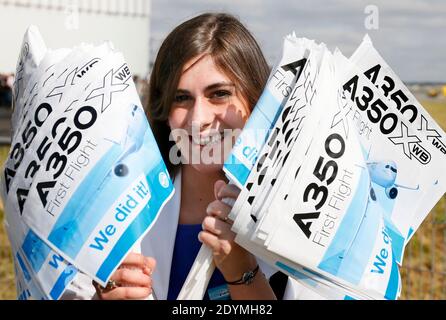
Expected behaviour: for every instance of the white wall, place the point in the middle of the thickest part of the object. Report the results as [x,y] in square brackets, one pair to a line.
[124,22]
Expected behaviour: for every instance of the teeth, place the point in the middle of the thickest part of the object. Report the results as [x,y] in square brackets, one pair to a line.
[203,141]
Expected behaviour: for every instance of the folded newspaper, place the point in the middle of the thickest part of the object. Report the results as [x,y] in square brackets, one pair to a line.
[338,166]
[84,180]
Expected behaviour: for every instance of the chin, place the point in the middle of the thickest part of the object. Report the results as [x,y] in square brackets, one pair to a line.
[206,160]
[208,168]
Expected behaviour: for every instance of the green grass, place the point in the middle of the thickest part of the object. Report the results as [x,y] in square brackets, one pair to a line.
[424,266]
[7,286]
[437,109]
[7,283]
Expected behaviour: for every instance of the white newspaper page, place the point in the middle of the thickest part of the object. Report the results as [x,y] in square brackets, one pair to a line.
[32,51]
[284,136]
[369,61]
[402,163]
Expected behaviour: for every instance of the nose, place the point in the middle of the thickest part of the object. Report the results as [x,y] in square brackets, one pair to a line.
[201,114]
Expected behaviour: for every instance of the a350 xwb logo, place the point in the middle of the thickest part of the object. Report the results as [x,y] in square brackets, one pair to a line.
[411,145]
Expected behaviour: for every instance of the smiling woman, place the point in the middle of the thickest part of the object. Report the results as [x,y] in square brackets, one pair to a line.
[238,68]
[207,77]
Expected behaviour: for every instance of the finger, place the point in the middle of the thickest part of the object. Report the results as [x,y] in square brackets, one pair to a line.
[127,293]
[210,240]
[217,227]
[218,209]
[134,259]
[129,277]
[218,185]
[217,245]
[138,260]
[226,191]
[150,265]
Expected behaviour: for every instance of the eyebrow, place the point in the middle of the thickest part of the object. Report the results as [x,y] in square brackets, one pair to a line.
[210,87]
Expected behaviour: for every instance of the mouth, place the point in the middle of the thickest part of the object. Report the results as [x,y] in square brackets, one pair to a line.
[204,140]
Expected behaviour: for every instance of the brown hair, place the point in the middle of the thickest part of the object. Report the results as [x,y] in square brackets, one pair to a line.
[234,51]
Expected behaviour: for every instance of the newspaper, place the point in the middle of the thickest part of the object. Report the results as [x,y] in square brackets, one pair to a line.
[345,169]
[84,180]
[349,216]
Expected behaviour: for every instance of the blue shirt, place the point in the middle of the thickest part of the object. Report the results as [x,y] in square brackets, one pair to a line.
[185,251]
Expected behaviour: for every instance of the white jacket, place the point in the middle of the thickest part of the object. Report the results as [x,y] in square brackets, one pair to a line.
[159,243]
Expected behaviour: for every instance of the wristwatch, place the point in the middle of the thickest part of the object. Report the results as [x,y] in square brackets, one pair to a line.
[247,278]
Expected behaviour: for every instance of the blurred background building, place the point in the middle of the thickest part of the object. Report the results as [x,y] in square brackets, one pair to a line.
[66,23]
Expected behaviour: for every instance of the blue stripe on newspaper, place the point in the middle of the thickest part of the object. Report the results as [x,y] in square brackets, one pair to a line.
[296,274]
[63,281]
[139,225]
[394,283]
[23,267]
[349,298]
[409,234]
[355,264]
[398,240]
[269,106]
[254,136]
[343,258]
[36,251]
[290,270]
[74,225]
[237,169]
[388,204]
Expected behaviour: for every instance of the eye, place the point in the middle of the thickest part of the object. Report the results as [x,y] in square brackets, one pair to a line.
[220,94]
[180,98]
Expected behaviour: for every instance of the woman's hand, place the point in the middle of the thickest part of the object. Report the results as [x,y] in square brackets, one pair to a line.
[231,259]
[133,279]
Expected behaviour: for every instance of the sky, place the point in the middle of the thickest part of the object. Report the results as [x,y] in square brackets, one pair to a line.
[410,34]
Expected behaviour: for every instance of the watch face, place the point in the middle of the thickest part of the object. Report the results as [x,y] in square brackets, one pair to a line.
[248,277]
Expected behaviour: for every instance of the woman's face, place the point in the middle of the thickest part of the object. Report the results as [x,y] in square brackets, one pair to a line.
[207,115]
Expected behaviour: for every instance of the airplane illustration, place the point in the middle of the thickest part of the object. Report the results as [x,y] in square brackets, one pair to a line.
[384,173]
[133,141]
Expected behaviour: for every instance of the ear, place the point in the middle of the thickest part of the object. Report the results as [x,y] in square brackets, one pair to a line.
[217,187]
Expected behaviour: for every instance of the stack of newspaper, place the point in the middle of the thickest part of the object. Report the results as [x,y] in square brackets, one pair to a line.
[338,166]
[84,179]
